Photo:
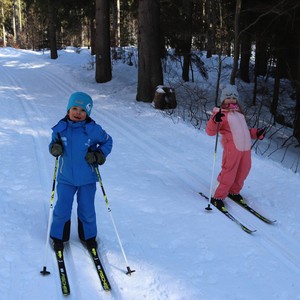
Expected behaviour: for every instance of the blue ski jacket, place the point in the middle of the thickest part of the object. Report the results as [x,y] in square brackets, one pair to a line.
[77,139]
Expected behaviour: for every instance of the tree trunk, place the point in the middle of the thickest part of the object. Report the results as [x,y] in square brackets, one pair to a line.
[118,24]
[186,67]
[255,86]
[210,29]
[14,16]
[93,32]
[274,104]
[261,60]
[187,40]
[236,41]
[20,16]
[3,28]
[52,30]
[149,50]
[115,20]
[245,57]
[297,108]
[103,59]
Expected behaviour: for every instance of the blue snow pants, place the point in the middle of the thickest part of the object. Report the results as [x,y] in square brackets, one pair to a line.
[87,227]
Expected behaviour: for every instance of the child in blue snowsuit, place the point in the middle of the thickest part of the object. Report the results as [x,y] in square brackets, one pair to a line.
[82,145]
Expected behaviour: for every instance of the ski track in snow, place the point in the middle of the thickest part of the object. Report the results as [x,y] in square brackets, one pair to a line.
[30,109]
[152,210]
[33,111]
[271,237]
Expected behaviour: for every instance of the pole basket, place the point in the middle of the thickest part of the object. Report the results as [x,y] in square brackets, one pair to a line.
[129,271]
[44,271]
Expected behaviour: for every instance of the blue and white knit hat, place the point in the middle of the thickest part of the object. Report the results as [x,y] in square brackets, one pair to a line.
[229,91]
[82,100]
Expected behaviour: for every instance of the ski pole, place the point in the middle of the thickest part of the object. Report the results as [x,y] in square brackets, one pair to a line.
[44,271]
[213,168]
[129,271]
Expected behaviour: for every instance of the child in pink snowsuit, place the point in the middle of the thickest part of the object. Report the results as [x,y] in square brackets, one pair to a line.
[236,141]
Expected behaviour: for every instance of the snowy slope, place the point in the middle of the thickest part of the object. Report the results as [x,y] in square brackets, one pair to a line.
[152,178]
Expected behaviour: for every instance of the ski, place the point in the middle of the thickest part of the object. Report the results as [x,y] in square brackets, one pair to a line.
[231,217]
[101,273]
[65,287]
[252,211]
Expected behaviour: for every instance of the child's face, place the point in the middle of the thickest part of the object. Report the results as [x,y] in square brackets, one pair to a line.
[77,114]
[230,103]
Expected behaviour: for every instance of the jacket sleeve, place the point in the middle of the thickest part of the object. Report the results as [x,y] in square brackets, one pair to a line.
[104,141]
[61,125]
[212,126]
[53,140]
[253,134]
[106,144]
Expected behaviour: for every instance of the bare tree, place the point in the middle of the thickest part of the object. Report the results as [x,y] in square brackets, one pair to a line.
[149,50]
[103,59]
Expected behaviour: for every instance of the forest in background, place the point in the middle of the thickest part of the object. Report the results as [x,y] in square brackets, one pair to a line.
[261,37]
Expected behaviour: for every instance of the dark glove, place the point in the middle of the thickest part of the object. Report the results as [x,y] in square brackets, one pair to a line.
[260,133]
[95,157]
[56,149]
[218,117]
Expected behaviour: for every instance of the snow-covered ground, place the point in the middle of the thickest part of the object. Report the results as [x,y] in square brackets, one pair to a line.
[152,178]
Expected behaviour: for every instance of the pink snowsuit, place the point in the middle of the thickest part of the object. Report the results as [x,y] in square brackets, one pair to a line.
[236,160]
